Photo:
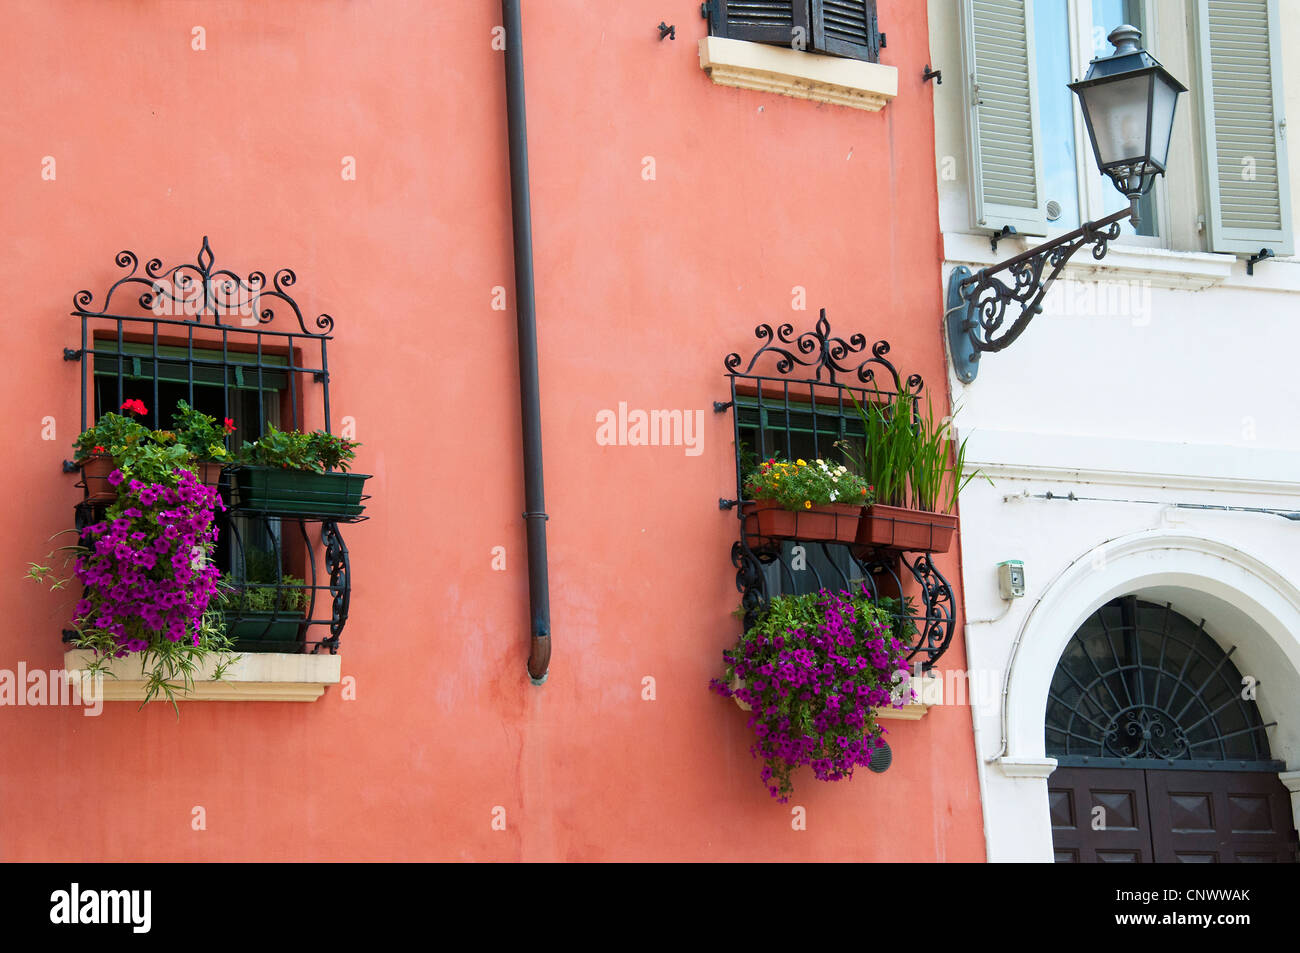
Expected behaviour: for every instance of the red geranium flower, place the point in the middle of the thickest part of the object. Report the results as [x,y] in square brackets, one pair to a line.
[230,425]
[135,406]
[100,450]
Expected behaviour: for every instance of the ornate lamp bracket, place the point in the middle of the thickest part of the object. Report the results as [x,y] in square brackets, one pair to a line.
[978,303]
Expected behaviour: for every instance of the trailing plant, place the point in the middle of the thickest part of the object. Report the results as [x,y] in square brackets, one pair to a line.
[801,485]
[149,582]
[814,669]
[293,450]
[201,435]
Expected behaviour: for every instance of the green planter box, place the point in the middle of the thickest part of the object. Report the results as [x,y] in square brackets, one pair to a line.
[300,491]
[256,627]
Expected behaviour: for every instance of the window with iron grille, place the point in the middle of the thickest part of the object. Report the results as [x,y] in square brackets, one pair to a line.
[221,343]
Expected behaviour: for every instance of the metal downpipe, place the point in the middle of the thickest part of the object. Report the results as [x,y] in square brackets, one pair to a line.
[539,595]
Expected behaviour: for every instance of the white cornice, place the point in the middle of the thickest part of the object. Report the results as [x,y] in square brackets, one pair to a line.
[1121,461]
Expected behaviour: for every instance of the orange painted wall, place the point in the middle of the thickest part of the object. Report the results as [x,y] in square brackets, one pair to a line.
[643,287]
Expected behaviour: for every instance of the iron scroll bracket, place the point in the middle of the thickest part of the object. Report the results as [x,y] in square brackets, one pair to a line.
[976,317]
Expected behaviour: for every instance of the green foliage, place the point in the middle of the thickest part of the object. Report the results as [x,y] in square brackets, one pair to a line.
[889,446]
[909,461]
[112,434]
[293,450]
[153,459]
[801,485]
[290,596]
[201,434]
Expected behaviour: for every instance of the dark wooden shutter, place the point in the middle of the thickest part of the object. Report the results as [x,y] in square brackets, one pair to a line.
[846,28]
[760,21]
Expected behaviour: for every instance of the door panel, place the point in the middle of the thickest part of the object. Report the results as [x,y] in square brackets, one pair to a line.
[1099,815]
[1220,817]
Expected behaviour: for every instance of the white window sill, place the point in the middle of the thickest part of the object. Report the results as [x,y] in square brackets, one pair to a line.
[1158,267]
[255,677]
[775,69]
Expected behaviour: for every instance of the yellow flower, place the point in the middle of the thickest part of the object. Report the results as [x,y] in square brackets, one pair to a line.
[807,504]
[801,463]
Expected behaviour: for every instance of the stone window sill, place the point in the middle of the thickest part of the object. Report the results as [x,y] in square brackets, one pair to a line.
[775,69]
[255,677]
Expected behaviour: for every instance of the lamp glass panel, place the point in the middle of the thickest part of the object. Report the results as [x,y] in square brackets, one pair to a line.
[1118,111]
[1162,119]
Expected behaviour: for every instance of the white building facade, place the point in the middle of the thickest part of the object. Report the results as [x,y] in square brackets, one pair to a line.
[1141,700]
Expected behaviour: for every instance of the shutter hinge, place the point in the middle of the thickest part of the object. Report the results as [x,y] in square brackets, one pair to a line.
[709,7]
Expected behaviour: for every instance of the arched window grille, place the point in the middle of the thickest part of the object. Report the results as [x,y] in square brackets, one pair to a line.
[1141,686]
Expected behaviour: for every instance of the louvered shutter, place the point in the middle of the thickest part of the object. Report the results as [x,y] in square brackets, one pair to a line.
[1244,123]
[1006,166]
[846,28]
[760,21]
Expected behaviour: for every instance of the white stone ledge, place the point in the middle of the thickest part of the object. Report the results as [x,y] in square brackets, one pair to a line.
[1032,768]
[1157,267]
[775,69]
[255,677]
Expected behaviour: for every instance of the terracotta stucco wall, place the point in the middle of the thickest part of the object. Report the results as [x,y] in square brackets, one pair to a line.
[643,287]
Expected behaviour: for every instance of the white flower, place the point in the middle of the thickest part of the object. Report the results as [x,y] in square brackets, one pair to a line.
[832,496]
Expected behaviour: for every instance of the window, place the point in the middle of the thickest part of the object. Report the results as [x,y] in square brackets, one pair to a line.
[791,430]
[1031,164]
[845,28]
[237,348]
[1067,37]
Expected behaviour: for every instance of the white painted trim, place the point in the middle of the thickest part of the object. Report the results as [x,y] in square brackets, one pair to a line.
[1036,768]
[1123,462]
[264,677]
[775,69]
[1158,267]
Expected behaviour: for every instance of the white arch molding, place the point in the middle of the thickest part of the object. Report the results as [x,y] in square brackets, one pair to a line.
[1244,602]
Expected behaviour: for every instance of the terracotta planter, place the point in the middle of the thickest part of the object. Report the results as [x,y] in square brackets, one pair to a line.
[905,530]
[209,473]
[94,474]
[836,523]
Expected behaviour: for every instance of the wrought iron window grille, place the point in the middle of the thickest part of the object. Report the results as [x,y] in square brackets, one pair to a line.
[805,398]
[1141,686]
[192,326]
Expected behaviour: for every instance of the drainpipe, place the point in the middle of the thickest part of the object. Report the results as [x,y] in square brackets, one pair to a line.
[539,595]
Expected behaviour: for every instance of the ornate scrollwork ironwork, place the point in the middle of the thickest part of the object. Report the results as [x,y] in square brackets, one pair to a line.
[340,571]
[1145,732]
[828,358]
[195,291]
[978,303]
[825,352]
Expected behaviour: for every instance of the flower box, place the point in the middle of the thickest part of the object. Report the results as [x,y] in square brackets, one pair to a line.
[299,491]
[834,523]
[275,629]
[906,530]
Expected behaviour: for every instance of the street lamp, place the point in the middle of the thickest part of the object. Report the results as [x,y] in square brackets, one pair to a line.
[1128,101]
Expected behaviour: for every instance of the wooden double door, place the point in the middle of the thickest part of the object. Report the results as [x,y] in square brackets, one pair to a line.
[1126,815]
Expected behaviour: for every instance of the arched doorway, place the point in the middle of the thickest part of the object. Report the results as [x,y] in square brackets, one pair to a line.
[1162,753]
